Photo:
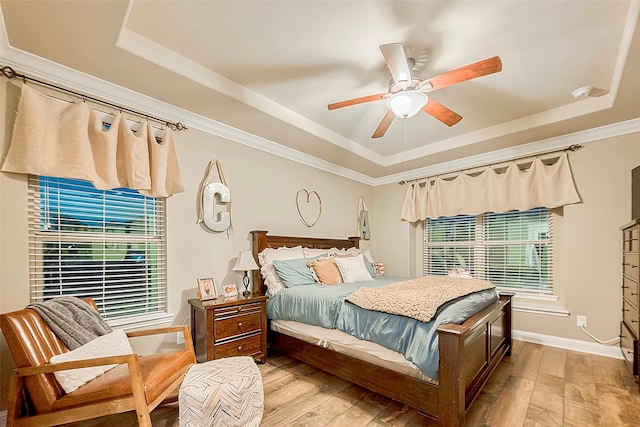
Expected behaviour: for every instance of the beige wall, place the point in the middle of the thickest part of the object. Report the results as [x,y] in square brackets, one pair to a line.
[587,240]
[263,189]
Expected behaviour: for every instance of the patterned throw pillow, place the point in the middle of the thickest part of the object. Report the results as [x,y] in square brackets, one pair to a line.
[326,270]
[353,269]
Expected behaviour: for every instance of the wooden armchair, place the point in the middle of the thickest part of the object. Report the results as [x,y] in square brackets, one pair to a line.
[138,383]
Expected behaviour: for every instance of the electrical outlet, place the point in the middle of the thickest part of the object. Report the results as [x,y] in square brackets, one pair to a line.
[581,321]
[179,338]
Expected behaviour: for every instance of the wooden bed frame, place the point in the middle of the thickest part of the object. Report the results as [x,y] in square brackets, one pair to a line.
[468,352]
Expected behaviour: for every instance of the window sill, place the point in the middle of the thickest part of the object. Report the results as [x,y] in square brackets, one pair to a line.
[141,321]
[524,296]
[547,310]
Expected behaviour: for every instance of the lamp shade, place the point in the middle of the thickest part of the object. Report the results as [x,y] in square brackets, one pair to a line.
[245,262]
[407,103]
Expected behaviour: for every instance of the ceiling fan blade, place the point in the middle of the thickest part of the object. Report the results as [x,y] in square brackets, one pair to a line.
[468,72]
[442,113]
[384,124]
[356,101]
[396,60]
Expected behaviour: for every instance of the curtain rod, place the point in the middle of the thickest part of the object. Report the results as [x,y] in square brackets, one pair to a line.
[10,73]
[572,147]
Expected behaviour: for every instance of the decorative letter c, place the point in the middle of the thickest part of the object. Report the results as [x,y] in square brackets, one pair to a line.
[209,203]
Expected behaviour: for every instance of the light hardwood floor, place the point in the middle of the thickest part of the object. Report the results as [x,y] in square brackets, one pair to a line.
[536,386]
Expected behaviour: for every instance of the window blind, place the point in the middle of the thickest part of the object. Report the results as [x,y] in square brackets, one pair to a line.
[109,245]
[513,250]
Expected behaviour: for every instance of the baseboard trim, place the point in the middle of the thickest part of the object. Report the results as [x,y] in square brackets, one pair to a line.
[612,351]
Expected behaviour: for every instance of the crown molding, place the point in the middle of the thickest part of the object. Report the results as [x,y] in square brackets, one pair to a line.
[507,154]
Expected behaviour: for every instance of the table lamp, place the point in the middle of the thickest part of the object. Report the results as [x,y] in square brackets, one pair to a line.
[245,263]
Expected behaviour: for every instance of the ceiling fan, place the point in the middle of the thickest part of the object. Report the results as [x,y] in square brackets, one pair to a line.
[408,89]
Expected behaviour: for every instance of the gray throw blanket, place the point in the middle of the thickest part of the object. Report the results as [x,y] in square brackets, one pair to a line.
[72,320]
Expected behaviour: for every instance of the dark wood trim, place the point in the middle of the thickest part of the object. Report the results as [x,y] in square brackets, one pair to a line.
[468,352]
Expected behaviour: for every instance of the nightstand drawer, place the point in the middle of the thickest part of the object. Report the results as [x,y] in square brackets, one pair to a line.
[247,346]
[237,325]
[235,310]
[630,316]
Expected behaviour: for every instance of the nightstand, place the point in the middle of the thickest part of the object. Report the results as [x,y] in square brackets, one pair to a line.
[226,327]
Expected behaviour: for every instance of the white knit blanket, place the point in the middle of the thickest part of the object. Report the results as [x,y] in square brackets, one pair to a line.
[418,298]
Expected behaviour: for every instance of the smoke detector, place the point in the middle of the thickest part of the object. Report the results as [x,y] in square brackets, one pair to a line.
[582,92]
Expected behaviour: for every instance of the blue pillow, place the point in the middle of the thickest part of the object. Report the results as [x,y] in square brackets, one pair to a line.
[294,272]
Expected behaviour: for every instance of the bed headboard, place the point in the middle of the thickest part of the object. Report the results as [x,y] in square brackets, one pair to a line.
[261,240]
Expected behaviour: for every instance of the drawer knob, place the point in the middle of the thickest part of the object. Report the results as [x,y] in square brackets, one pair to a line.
[634,294]
[239,348]
[239,324]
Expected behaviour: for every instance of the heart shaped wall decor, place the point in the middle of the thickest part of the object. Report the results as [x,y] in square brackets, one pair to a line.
[307,209]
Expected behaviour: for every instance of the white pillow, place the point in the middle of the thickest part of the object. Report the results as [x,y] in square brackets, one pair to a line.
[115,343]
[313,252]
[348,251]
[268,271]
[353,269]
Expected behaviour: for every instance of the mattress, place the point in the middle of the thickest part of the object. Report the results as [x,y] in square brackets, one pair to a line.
[344,343]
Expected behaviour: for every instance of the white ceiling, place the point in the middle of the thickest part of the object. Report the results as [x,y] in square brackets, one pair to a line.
[270,68]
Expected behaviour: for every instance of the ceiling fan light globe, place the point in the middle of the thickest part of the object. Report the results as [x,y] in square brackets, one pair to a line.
[407,104]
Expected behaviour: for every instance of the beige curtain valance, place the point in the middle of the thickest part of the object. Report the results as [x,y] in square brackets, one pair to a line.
[53,137]
[550,186]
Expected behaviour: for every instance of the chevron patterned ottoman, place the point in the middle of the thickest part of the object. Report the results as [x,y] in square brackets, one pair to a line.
[222,392]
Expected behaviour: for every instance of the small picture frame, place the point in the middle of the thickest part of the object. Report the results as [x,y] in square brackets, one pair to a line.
[230,290]
[207,288]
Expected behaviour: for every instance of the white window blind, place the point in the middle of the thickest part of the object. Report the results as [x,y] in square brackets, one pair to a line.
[108,245]
[513,250]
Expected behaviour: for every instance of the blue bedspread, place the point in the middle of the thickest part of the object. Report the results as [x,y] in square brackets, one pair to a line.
[316,304]
[418,341]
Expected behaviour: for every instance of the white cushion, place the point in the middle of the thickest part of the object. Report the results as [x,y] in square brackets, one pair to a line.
[353,269]
[115,343]
[268,271]
[312,252]
[343,252]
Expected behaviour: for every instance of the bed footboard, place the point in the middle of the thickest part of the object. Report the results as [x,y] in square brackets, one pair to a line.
[468,354]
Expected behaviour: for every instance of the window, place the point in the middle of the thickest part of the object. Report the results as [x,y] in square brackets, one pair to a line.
[513,250]
[107,245]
